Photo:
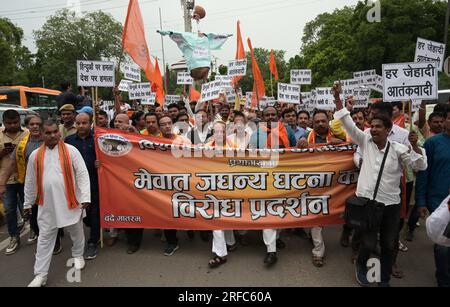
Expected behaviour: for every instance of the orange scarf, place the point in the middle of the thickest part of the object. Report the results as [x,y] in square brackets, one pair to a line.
[67,170]
[281,133]
[312,137]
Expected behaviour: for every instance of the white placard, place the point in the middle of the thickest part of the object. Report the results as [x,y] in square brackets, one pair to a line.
[324,99]
[405,81]
[267,102]
[308,103]
[288,93]
[430,51]
[211,90]
[96,73]
[226,81]
[366,77]
[170,99]
[132,72]
[139,90]
[248,99]
[150,101]
[301,76]
[361,97]
[348,86]
[231,95]
[123,86]
[237,68]
[378,86]
[184,78]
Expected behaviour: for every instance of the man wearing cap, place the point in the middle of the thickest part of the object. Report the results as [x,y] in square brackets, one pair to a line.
[67,127]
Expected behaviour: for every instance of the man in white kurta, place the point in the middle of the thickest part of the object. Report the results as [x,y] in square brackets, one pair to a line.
[55,212]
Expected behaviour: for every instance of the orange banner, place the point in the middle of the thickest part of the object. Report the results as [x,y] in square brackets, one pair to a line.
[146,183]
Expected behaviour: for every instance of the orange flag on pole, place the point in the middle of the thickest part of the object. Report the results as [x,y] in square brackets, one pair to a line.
[240,51]
[158,85]
[273,65]
[259,90]
[134,42]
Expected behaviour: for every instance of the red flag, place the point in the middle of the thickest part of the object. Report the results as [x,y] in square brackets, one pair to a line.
[273,65]
[259,90]
[158,85]
[240,51]
[134,42]
[194,95]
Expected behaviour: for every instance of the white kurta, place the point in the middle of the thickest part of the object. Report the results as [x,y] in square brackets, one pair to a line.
[55,211]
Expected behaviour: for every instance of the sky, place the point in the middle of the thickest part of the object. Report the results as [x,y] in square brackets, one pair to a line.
[271,24]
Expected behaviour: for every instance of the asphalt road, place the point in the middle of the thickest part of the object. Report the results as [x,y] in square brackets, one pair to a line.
[188,266]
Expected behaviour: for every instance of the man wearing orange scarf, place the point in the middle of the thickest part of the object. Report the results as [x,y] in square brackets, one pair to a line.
[58,182]
[272,134]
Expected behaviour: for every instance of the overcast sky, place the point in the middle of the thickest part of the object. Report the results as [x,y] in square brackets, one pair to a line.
[271,24]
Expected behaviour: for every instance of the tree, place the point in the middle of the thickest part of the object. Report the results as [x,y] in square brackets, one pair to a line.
[336,44]
[65,38]
[15,59]
[263,58]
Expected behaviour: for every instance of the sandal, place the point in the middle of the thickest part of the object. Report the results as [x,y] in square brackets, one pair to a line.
[232,248]
[216,261]
[317,261]
[402,247]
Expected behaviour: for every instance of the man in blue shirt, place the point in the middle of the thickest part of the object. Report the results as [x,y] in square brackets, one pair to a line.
[290,117]
[83,140]
[432,187]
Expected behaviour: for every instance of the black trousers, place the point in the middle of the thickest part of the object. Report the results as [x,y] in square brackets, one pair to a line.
[388,241]
[134,236]
[171,236]
[92,219]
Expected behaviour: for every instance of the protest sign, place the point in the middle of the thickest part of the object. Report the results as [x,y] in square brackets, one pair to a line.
[132,72]
[95,73]
[211,90]
[170,99]
[184,78]
[324,99]
[226,81]
[237,68]
[301,76]
[139,90]
[429,51]
[288,93]
[157,189]
[366,77]
[308,104]
[151,101]
[123,86]
[348,86]
[378,85]
[405,81]
[361,97]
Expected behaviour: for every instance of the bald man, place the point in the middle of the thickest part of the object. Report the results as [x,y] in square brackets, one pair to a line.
[83,140]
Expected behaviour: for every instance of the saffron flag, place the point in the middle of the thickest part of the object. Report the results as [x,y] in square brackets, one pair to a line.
[158,84]
[273,65]
[259,89]
[134,42]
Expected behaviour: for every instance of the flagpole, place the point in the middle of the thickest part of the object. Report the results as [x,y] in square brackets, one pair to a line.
[163,53]
[271,84]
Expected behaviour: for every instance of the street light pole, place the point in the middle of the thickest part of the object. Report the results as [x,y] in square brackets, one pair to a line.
[163,55]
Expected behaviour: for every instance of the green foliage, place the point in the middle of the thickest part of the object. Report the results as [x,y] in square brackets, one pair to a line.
[15,59]
[65,38]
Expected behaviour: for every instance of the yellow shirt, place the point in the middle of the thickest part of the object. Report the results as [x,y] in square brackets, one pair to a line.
[5,138]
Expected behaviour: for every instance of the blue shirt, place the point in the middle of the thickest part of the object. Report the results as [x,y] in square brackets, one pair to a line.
[299,133]
[87,149]
[258,139]
[432,185]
